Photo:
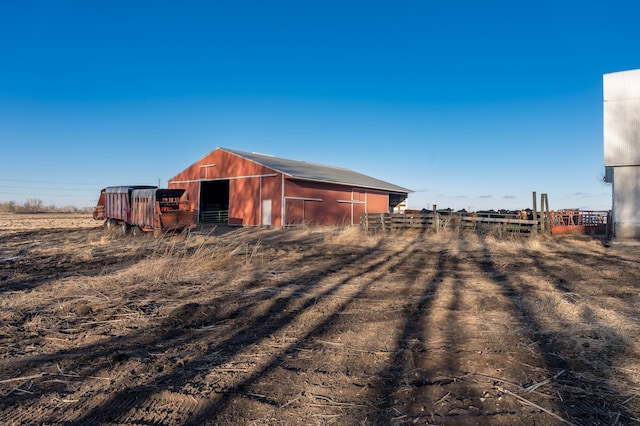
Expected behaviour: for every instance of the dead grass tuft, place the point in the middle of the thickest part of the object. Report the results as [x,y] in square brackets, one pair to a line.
[351,235]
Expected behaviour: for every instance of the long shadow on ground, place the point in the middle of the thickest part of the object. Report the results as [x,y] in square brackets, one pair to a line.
[557,357]
[285,305]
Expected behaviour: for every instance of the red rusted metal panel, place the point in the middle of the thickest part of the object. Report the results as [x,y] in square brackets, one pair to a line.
[118,202]
[173,209]
[145,207]
[590,222]
[98,212]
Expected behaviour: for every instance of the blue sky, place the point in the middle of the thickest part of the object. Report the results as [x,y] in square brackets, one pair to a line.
[470,104]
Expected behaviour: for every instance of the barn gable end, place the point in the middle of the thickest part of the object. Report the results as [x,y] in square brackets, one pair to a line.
[248,189]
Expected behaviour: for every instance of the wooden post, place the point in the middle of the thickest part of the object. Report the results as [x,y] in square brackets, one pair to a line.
[546,209]
[542,213]
[535,212]
[436,218]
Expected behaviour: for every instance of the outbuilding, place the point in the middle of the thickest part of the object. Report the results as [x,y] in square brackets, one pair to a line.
[621,95]
[248,189]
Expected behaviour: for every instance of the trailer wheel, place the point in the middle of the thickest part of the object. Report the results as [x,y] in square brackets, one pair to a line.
[136,231]
[156,233]
[110,224]
[124,228]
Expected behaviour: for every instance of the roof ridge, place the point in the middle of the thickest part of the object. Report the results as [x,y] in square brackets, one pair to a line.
[289,159]
[326,165]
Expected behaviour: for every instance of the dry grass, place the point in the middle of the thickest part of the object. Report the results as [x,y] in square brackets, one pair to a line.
[327,324]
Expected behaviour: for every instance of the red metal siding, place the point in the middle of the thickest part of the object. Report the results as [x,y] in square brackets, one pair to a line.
[220,164]
[143,208]
[117,204]
[339,205]
[244,201]
[246,179]
[377,202]
[272,190]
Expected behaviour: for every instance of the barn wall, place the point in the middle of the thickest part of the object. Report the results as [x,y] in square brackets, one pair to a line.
[377,202]
[626,202]
[220,164]
[244,201]
[328,204]
[272,190]
[244,185]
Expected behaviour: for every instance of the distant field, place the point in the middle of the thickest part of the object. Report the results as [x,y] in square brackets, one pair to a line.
[33,221]
[320,326]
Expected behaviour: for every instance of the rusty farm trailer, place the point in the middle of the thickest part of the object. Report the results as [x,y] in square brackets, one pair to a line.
[144,209]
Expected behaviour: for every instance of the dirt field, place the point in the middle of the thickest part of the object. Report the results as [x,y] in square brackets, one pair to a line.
[313,326]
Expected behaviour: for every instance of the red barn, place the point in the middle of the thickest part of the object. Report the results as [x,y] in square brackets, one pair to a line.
[244,188]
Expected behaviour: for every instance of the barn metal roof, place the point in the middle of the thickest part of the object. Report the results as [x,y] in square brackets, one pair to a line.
[317,172]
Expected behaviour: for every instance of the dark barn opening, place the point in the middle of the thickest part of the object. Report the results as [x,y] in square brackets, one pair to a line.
[395,200]
[214,201]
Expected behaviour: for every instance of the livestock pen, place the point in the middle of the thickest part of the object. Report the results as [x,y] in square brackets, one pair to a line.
[440,220]
[560,222]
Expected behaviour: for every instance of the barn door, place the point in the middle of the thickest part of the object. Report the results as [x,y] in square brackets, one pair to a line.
[266,212]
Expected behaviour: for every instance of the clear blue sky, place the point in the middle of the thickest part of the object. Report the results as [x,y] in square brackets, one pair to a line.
[470,104]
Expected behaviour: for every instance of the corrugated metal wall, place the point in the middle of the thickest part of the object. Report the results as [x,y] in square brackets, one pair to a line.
[117,203]
[626,202]
[621,114]
[621,122]
[143,209]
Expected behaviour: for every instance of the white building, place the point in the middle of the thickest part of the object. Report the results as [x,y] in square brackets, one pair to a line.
[621,115]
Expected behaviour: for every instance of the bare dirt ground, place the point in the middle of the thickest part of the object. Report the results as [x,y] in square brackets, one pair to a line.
[313,326]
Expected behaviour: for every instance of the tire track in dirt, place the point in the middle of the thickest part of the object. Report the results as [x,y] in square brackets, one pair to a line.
[573,316]
[333,368]
[46,258]
[307,294]
[448,368]
[426,369]
[352,285]
[552,358]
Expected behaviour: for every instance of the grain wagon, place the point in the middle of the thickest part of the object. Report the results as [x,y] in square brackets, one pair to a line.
[139,209]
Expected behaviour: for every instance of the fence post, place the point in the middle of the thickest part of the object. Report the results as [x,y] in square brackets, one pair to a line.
[535,212]
[542,214]
[546,209]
